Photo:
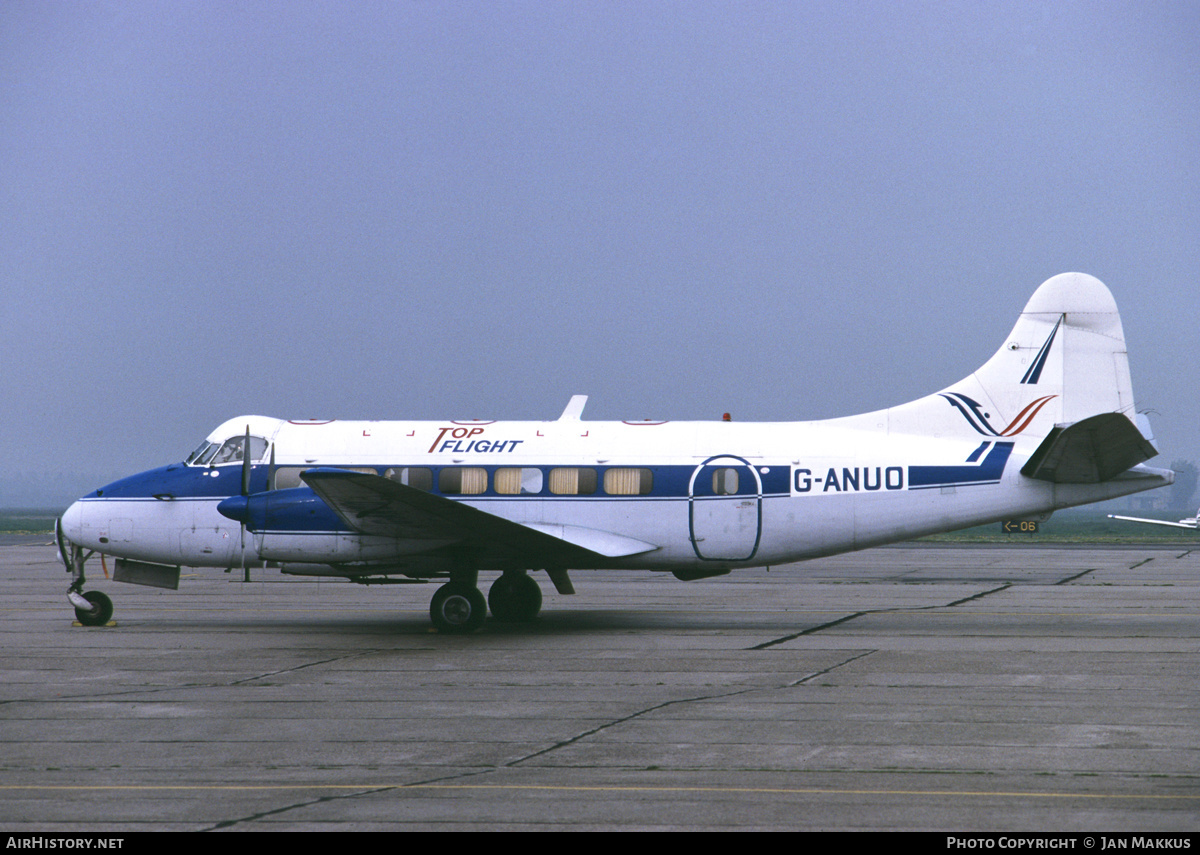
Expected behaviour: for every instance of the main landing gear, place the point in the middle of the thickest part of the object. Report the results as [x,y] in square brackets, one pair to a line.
[515,598]
[459,606]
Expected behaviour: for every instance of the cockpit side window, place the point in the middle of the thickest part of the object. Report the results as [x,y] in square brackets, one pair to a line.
[258,449]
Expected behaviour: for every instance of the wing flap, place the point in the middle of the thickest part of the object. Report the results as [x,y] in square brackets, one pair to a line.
[604,543]
[1092,450]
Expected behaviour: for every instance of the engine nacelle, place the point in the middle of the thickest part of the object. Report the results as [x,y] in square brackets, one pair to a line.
[295,525]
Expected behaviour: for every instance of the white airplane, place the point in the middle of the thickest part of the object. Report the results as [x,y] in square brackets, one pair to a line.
[1046,423]
[1189,522]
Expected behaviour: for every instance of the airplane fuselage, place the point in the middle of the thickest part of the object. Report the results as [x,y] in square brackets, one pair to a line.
[702,494]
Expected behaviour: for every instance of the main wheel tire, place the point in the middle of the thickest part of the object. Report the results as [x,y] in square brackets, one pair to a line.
[515,598]
[100,613]
[458,608]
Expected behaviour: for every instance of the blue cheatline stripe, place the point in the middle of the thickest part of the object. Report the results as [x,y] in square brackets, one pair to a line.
[987,472]
[668,482]
[975,454]
[180,483]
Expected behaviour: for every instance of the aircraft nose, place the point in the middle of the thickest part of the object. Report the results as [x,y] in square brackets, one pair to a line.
[72,522]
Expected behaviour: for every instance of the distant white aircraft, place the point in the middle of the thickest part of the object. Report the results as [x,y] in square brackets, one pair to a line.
[1189,522]
[1046,423]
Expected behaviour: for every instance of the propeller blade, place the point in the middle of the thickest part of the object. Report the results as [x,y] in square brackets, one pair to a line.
[246,463]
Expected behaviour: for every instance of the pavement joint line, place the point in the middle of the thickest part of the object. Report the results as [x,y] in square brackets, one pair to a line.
[959,602]
[144,690]
[833,667]
[1079,575]
[627,718]
[353,655]
[899,609]
[818,628]
[676,701]
[230,823]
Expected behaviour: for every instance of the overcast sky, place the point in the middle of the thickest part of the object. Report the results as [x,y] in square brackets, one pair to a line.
[477,209]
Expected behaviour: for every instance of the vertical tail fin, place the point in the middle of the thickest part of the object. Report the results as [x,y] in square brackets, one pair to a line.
[1063,373]
[1069,344]
[1063,362]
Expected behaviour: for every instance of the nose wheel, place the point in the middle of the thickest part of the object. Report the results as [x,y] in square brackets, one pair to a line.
[96,609]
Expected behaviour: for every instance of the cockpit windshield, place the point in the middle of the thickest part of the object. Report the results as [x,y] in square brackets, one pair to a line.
[202,454]
[229,451]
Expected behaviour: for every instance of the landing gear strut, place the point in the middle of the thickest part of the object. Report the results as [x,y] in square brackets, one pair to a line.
[92,608]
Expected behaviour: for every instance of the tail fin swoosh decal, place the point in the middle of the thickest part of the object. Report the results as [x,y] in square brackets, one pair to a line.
[1026,416]
[973,412]
[1035,371]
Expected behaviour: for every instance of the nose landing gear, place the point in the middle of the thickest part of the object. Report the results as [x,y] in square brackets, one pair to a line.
[96,609]
[92,608]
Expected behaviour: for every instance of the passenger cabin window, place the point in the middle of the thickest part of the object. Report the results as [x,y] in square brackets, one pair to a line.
[570,481]
[628,482]
[462,480]
[725,482]
[417,477]
[513,482]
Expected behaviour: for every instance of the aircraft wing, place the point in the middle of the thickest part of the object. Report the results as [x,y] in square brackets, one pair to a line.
[379,506]
[1089,451]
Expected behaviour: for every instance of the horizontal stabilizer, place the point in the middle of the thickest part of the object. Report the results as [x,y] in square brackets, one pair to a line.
[379,506]
[1095,449]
